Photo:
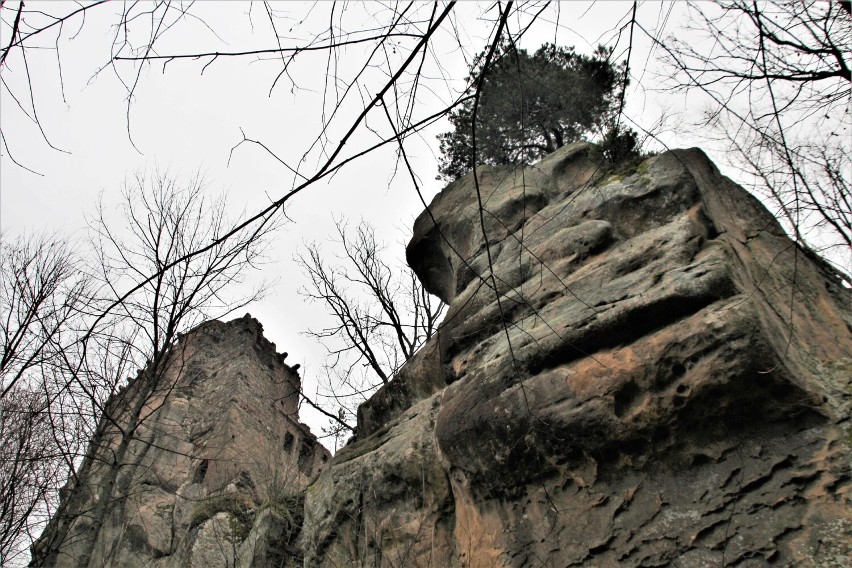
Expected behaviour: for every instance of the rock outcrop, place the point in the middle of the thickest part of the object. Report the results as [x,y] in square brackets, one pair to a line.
[637,369]
[213,475]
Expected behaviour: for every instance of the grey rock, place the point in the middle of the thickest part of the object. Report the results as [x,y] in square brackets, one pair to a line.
[210,456]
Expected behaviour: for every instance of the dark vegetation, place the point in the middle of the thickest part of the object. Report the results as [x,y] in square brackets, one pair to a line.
[531,105]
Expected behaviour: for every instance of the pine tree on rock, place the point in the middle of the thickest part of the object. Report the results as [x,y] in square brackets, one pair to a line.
[531,105]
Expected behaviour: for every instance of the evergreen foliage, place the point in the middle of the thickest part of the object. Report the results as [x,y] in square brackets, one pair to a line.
[531,105]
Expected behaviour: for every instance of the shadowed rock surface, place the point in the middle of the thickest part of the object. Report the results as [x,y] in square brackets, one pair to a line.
[213,475]
[665,380]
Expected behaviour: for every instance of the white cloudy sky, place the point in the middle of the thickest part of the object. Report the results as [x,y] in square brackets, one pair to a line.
[187,121]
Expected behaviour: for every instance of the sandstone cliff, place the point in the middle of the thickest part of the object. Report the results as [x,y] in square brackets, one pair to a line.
[638,368]
[662,379]
[214,474]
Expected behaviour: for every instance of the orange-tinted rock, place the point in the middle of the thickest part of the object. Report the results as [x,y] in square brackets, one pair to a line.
[635,370]
[665,379]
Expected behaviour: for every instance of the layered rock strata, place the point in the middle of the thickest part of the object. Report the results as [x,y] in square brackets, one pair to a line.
[637,369]
[213,474]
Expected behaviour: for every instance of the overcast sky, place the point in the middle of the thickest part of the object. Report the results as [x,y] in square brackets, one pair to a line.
[187,121]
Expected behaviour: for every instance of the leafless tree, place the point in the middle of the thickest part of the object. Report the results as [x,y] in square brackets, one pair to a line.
[778,78]
[381,314]
[777,73]
[169,293]
[43,293]
[31,471]
[149,293]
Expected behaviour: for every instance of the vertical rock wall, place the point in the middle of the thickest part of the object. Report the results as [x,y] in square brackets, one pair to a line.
[638,368]
[214,473]
[664,379]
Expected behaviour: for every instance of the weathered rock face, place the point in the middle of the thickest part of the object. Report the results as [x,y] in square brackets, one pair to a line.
[636,370]
[662,378]
[213,474]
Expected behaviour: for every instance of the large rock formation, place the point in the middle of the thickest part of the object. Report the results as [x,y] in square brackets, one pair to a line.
[637,369]
[212,476]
